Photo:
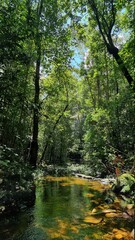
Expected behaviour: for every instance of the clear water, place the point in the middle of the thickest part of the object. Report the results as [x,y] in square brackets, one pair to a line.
[60,212]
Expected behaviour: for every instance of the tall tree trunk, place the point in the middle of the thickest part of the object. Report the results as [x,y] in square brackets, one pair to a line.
[34,143]
[115,52]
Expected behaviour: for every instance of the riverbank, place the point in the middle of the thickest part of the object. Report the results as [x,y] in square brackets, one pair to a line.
[17,188]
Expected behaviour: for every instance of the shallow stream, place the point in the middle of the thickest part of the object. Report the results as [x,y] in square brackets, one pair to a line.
[63,210]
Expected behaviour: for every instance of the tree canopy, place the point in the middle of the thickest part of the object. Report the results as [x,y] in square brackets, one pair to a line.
[53,110]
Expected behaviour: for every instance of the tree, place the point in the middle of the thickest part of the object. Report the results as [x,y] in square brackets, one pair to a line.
[51,41]
[103,101]
[38,40]
[16,87]
[58,91]
[105,13]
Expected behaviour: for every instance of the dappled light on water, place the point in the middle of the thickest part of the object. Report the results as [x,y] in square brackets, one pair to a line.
[71,208]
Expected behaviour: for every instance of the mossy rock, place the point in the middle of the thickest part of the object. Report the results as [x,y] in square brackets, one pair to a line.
[125,184]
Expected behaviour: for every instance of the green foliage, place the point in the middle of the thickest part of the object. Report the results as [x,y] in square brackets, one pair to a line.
[16,90]
[87,115]
[108,130]
[125,185]
[55,134]
[95,139]
[127,182]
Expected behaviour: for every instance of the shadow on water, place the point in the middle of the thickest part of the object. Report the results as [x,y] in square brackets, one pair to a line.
[62,211]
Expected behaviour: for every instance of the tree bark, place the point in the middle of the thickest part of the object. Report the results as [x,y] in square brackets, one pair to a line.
[34,143]
[115,52]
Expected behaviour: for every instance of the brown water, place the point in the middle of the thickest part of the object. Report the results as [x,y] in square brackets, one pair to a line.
[64,209]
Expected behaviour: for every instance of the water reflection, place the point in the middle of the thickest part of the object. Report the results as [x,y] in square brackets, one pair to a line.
[61,208]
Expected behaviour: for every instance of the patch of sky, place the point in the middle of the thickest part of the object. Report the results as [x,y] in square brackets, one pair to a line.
[80,50]
[77,58]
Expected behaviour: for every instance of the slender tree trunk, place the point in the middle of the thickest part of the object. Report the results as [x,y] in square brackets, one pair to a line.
[107,77]
[34,143]
[98,92]
[51,133]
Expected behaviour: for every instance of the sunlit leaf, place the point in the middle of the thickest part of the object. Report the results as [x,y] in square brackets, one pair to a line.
[130,206]
[111,215]
[89,195]
[120,234]
[90,219]
[97,211]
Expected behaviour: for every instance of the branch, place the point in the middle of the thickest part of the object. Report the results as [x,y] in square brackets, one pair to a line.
[113,16]
[107,38]
[94,8]
[51,133]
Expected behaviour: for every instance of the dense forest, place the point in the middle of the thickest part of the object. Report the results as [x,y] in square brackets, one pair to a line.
[67,100]
[67,82]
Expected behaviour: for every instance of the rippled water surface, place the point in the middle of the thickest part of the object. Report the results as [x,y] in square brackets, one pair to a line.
[63,211]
